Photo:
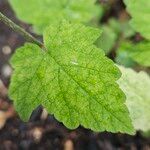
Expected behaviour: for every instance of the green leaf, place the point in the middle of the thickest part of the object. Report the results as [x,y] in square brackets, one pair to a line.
[107,40]
[111,33]
[72,79]
[41,13]
[122,28]
[123,55]
[140,14]
[123,58]
[140,52]
[136,86]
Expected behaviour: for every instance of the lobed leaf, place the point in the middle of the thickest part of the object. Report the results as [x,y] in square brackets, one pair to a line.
[72,79]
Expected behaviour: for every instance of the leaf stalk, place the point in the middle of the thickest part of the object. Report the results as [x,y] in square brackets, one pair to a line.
[20,30]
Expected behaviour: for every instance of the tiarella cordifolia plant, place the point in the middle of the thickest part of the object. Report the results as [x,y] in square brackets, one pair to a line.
[72,78]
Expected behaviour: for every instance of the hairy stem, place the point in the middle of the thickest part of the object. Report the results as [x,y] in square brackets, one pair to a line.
[20,30]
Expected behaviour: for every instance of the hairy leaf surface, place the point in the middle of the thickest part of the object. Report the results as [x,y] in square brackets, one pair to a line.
[140,14]
[73,80]
[42,13]
[136,86]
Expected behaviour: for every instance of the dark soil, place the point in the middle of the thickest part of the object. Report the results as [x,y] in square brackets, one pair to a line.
[42,132]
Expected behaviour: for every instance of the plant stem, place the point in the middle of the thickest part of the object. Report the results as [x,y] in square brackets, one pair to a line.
[20,30]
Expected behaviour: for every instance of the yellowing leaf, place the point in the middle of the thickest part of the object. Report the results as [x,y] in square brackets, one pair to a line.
[136,86]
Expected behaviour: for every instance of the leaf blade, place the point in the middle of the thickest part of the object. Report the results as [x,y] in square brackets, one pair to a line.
[140,13]
[79,81]
[47,12]
[136,86]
